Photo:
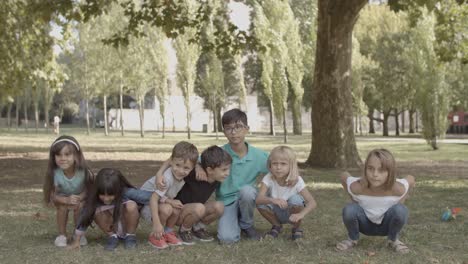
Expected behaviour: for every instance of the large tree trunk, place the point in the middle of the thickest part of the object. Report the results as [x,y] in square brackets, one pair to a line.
[411,121]
[106,130]
[272,119]
[296,113]
[333,143]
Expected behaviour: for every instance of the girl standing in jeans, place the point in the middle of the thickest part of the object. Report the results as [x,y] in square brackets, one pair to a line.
[377,208]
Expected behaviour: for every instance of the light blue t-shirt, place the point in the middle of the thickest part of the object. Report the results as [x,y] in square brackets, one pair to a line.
[244,171]
[67,186]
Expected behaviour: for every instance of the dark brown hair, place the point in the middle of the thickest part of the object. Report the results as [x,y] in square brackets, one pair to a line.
[80,164]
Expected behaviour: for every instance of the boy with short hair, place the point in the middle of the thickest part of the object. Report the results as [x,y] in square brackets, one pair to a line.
[238,192]
[182,161]
[216,163]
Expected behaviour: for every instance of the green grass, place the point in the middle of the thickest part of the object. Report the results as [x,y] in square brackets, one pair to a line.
[27,228]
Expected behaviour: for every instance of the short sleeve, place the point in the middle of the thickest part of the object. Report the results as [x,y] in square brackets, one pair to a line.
[300,185]
[267,180]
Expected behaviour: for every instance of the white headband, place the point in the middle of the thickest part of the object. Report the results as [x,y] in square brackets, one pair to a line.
[67,140]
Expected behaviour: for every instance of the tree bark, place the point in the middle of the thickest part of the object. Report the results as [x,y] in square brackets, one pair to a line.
[296,113]
[285,129]
[36,115]
[88,130]
[141,110]
[9,116]
[272,119]
[386,114]
[106,130]
[17,112]
[26,121]
[370,115]
[403,121]
[333,142]
[397,123]
[411,121]
[121,106]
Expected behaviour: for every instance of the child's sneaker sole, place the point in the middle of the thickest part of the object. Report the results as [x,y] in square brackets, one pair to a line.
[157,247]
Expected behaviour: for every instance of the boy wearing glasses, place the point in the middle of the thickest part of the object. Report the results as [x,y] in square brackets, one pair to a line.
[238,192]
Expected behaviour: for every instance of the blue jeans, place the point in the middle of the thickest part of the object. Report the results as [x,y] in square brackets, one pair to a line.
[237,216]
[138,196]
[355,220]
[283,214]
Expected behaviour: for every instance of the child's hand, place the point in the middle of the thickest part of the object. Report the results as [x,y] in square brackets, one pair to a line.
[295,218]
[157,231]
[200,173]
[176,204]
[160,183]
[74,199]
[281,203]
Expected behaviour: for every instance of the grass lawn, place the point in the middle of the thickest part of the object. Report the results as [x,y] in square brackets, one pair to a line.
[27,228]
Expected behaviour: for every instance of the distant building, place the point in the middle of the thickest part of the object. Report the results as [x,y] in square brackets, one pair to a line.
[458,122]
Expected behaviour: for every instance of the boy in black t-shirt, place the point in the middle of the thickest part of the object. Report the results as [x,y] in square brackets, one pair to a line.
[216,162]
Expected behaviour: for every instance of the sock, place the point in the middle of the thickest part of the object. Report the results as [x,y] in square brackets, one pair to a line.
[198,226]
[113,235]
[167,229]
[184,229]
[128,234]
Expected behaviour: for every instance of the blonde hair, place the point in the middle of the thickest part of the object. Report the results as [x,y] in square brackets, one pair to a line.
[388,163]
[290,155]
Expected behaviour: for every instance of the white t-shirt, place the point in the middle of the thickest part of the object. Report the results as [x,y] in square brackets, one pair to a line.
[375,207]
[172,184]
[282,192]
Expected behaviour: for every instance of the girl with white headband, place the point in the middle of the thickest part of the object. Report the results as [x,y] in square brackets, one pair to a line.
[67,179]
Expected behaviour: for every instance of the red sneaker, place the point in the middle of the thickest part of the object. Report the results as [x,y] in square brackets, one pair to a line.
[171,239]
[157,243]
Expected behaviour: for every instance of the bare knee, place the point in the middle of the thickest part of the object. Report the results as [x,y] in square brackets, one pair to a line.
[165,210]
[131,207]
[219,208]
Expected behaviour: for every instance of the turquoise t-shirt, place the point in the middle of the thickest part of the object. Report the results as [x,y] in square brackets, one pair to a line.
[68,186]
[243,172]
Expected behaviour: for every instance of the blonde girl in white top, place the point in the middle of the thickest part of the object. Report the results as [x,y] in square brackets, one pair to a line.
[377,202]
[283,196]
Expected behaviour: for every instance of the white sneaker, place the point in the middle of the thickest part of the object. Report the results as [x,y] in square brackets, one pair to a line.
[83,241]
[61,241]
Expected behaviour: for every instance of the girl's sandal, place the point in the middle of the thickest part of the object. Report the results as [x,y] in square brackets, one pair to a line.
[398,246]
[345,245]
[297,233]
[274,231]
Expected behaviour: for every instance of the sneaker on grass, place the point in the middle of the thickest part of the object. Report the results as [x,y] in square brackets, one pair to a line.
[61,241]
[186,237]
[171,239]
[157,243]
[202,235]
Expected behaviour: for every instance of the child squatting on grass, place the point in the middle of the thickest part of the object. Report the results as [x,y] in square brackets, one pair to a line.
[171,211]
[216,162]
[67,179]
[112,203]
[377,202]
[280,202]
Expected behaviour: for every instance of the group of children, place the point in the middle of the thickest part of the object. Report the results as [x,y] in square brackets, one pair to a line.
[179,194]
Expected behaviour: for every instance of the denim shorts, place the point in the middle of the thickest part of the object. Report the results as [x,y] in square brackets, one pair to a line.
[284,214]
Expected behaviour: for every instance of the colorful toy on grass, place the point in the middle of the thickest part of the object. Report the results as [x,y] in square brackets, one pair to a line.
[450,214]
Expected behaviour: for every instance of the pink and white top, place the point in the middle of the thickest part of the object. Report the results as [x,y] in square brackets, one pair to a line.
[375,207]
